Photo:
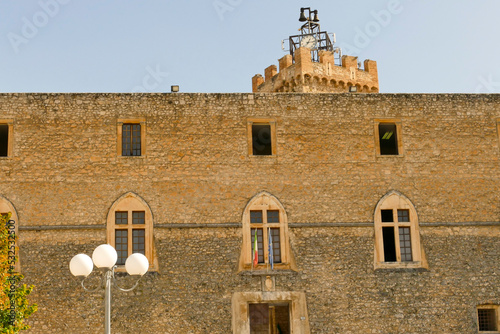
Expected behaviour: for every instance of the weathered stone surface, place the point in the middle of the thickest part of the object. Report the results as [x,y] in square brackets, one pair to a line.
[65,171]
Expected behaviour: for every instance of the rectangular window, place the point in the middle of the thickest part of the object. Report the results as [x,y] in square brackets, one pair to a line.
[131,139]
[138,241]
[138,217]
[121,217]
[388,139]
[275,238]
[255,217]
[389,244]
[261,139]
[487,319]
[261,136]
[4,140]
[405,244]
[403,216]
[273,216]
[260,244]
[121,245]
[387,216]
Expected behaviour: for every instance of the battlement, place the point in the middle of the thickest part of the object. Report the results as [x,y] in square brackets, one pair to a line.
[307,76]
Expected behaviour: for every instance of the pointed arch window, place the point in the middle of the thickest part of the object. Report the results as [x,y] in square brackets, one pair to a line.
[397,234]
[130,228]
[265,218]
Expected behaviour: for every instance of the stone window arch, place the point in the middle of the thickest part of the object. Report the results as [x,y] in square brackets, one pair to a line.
[130,228]
[397,233]
[265,216]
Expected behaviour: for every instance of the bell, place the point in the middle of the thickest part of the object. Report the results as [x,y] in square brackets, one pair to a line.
[302,16]
[315,19]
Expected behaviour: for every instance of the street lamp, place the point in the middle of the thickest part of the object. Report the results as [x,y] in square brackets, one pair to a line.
[104,258]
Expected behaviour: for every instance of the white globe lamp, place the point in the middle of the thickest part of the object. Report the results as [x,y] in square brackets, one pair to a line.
[137,264]
[81,265]
[104,256]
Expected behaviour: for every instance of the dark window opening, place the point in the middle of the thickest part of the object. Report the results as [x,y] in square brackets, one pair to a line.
[387,216]
[261,139]
[260,244]
[121,217]
[388,139]
[487,319]
[405,244]
[403,216]
[131,139]
[269,318]
[4,140]
[121,246]
[389,244]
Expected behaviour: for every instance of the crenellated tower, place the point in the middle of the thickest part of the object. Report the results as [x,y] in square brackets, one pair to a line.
[314,65]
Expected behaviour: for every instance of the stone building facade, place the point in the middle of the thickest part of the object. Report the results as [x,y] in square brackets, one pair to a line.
[315,167]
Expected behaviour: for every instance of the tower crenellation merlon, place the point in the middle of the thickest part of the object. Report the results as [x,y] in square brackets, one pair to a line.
[323,76]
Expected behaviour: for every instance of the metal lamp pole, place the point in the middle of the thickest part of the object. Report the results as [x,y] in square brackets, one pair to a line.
[104,257]
[107,303]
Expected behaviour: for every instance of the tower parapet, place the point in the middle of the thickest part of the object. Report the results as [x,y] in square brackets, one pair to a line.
[307,76]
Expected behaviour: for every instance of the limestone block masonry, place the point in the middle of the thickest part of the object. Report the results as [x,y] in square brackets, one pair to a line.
[197,175]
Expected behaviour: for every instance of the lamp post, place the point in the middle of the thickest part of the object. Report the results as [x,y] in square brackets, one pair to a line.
[104,258]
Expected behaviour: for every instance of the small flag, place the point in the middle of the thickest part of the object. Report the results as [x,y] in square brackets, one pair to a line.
[271,256]
[255,250]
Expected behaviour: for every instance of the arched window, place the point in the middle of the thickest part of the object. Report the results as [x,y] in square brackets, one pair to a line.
[6,207]
[397,235]
[265,218]
[130,228]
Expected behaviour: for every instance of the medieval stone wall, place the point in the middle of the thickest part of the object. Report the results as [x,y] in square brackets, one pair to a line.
[64,174]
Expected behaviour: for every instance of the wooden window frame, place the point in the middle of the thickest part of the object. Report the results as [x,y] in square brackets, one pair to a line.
[396,201]
[10,138]
[265,202]
[119,124]
[488,307]
[130,227]
[399,134]
[130,203]
[261,120]
[265,226]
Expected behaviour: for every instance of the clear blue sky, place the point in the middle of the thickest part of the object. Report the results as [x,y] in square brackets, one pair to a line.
[218,45]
